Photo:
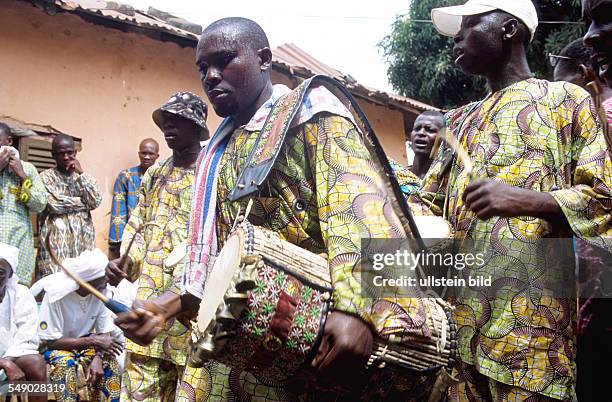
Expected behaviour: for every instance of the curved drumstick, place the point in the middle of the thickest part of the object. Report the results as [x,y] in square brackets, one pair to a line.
[453,142]
[598,101]
[124,257]
[111,304]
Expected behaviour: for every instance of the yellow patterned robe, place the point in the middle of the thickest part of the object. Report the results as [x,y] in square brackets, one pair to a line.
[545,137]
[165,199]
[324,194]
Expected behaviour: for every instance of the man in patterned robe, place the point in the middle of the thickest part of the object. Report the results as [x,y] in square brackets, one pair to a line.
[125,193]
[540,171]
[73,194]
[164,201]
[21,192]
[323,194]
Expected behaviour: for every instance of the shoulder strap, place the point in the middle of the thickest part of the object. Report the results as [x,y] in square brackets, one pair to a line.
[268,145]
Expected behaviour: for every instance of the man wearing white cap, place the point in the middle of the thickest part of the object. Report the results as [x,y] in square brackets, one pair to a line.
[75,330]
[19,358]
[540,168]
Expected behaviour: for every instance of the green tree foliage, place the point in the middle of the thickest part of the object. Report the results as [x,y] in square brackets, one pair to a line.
[421,62]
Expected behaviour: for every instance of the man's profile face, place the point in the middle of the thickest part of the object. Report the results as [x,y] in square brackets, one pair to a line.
[230,71]
[424,132]
[99,284]
[5,138]
[63,154]
[598,17]
[179,132]
[569,73]
[148,154]
[478,44]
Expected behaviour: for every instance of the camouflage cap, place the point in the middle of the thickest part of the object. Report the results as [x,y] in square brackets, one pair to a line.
[187,105]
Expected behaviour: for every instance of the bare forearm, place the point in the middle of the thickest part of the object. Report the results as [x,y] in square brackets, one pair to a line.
[488,198]
[541,205]
[171,303]
[72,343]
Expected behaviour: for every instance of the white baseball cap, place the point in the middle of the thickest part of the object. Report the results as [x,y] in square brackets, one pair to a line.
[447,20]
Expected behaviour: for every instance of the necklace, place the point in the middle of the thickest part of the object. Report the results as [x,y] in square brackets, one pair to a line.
[83,303]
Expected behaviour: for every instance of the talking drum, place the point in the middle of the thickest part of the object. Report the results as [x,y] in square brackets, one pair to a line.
[264,308]
[264,305]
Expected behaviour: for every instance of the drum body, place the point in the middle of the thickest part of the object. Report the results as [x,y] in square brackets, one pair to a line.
[270,319]
[264,309]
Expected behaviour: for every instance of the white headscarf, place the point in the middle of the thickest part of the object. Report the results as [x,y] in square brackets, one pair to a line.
[11,255]
[90,265]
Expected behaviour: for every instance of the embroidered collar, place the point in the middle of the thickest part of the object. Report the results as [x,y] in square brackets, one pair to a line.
[259,118]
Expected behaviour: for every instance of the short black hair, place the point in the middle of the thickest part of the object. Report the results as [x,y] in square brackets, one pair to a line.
[5,129]
[245,28]
[148,141]
[60,138]
[579,54]
[433,113]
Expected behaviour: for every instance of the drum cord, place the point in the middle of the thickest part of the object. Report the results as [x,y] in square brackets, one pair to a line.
[441,341]
[240,217]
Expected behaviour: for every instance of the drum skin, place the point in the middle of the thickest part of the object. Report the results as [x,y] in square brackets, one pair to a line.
[275,335]
[279,330]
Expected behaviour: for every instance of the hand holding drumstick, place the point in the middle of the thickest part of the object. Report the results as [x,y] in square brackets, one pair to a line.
[488,198]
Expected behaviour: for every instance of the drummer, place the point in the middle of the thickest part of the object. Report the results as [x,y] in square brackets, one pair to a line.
[322,194]
[518,194]
[164,199]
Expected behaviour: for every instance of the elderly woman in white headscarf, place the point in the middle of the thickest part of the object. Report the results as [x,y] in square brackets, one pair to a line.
[75,329]
[19,358]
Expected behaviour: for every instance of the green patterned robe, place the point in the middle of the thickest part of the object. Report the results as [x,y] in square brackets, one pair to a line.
[545,137]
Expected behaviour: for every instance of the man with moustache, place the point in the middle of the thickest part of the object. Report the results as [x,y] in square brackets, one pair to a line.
[598,17]
[164,201]
[540,170]
[426,128]
[72,195]
[314,198]
[421,140]
[125,193]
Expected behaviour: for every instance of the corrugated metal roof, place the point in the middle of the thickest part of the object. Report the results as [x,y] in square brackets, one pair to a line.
[292,55]
[288,56]
[23,129]
[300,63]
[124,14]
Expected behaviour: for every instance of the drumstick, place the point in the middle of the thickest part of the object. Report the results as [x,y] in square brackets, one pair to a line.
[111,304]
[601,113]
[436,145]
[124,257]
[462,154]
